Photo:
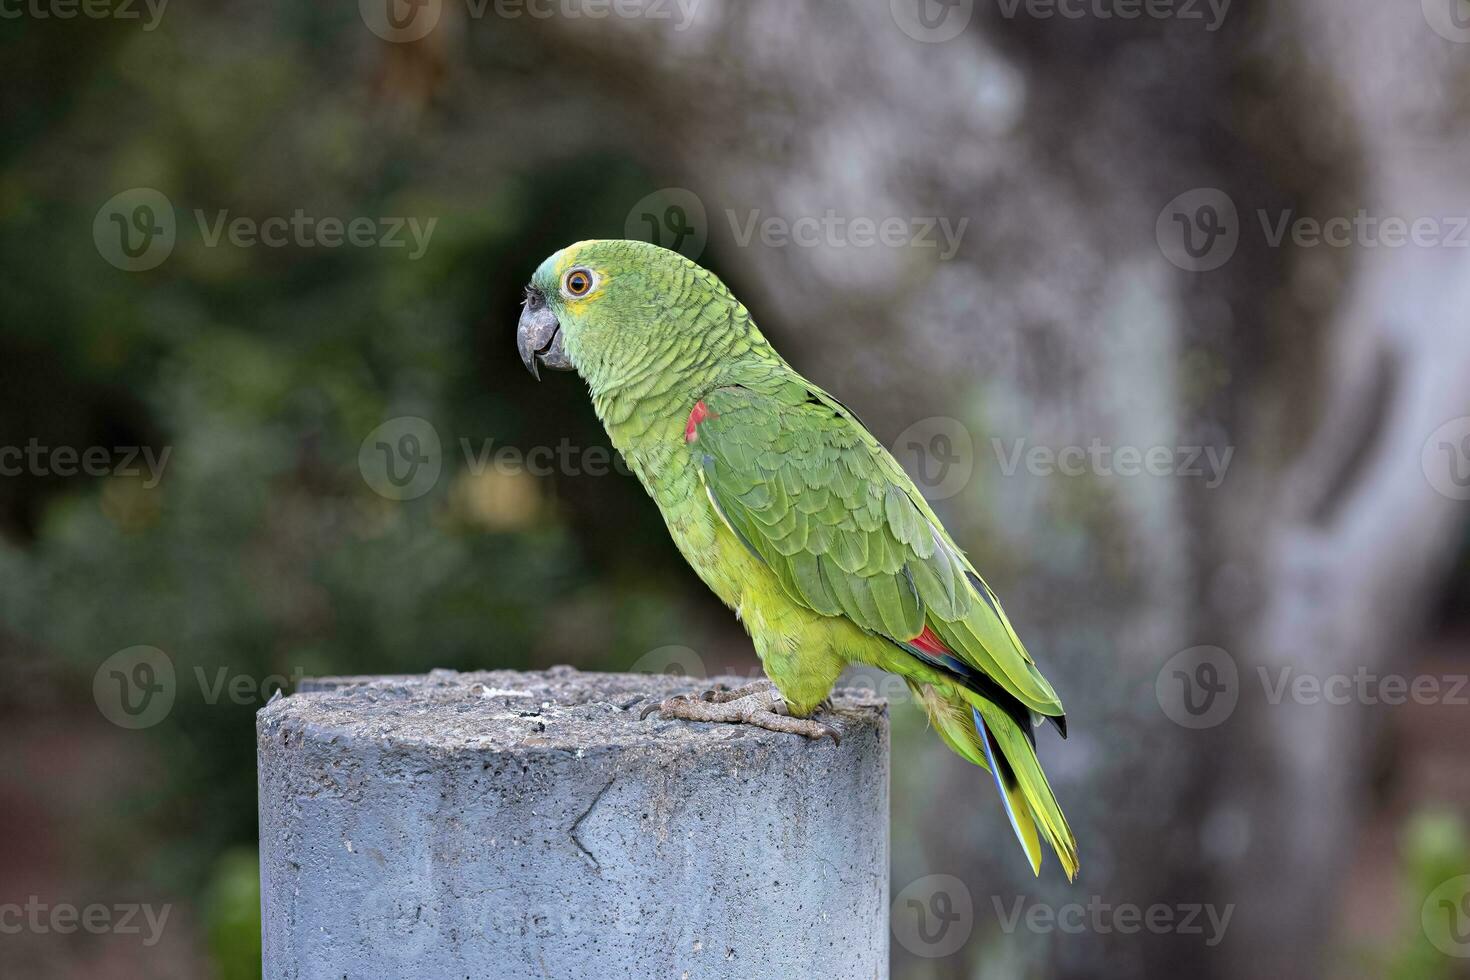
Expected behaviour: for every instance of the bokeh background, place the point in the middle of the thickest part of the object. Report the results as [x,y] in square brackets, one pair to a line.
[1165,305]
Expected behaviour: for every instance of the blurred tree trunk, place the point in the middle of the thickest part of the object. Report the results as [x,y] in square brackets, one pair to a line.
[1059,321]
[1357,539]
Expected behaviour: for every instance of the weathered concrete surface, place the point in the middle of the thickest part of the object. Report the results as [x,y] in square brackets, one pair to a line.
[514,825]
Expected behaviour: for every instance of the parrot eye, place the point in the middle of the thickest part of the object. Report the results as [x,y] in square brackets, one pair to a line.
[578,282]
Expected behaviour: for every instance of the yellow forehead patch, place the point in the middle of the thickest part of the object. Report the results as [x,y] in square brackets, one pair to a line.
[570,257]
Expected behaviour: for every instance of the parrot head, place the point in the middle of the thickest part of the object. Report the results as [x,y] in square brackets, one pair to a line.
[601,307]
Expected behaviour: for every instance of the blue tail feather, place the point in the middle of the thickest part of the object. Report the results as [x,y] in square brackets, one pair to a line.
[993,762]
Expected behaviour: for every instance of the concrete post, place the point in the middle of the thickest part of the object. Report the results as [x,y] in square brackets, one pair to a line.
[529,825]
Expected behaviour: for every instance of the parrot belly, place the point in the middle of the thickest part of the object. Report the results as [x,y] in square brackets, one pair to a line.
[802,652]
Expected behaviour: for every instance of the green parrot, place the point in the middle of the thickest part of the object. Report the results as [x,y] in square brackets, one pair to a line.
[797,518]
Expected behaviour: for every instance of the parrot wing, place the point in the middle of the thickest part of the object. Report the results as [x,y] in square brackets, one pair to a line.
[812,494]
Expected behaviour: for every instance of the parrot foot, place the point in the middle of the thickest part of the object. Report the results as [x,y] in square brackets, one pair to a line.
[755,704]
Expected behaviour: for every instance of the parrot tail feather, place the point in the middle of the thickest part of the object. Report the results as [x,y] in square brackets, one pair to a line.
[991,738]
[1024,791]
[1011,797]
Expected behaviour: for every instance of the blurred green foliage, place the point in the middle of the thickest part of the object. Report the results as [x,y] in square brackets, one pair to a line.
[231,906]
[1434,848]
[263,553]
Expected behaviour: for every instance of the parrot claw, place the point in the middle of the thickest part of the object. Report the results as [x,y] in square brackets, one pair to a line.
[723,694]
[755,704]
[662,706]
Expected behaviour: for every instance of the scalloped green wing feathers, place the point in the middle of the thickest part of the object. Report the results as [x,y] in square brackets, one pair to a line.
[824,505]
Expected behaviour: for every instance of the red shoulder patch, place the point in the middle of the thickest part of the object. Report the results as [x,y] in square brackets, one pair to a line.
[699,414]
[929,642]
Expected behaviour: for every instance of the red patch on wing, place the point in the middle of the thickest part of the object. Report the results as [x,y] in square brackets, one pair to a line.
[929,643]
[699,414]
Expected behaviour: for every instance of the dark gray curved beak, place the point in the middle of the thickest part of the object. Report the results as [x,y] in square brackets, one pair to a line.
[539,338]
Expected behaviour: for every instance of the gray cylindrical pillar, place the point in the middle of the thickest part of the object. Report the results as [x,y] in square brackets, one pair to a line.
[530,825]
